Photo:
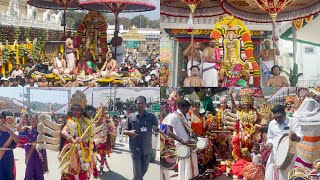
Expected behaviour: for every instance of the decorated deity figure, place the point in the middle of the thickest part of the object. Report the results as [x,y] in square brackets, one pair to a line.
[88,59]
[238,66]
[223,106]
[246,126]
[164,75]
[77,156]
[247,117]
[233,70]
[92,37]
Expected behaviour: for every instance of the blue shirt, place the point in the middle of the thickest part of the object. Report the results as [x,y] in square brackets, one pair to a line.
[142,143]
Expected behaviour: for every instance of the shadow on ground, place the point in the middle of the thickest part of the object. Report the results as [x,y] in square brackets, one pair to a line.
[111,175]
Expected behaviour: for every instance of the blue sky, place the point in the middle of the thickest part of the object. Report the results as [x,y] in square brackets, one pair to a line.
[61,97]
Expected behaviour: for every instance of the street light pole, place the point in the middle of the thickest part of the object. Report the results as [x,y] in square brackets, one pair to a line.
[114,99]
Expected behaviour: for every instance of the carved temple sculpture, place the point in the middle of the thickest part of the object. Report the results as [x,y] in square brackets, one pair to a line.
[238,66]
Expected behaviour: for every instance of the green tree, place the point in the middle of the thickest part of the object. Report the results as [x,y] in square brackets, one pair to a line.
[155,24]
[74,18]
[140,21]
[110,18]
[126,22]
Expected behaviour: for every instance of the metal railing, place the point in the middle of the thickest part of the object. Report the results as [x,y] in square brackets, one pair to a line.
[309,82]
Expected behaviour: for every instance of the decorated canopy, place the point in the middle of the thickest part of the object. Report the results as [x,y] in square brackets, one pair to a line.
[178,8]
[54,4]
[287,10]
[117,6]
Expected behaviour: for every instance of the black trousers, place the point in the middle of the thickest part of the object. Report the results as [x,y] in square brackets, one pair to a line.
[140,165]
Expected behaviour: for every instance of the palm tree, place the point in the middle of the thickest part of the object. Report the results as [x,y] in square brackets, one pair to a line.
[293,75]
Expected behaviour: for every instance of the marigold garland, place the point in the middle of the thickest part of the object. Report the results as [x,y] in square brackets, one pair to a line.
[88,158]
[249,121]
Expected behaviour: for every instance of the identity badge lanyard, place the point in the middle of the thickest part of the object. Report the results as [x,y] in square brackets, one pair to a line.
[143,128]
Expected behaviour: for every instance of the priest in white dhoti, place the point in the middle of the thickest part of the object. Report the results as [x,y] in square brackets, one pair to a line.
[276,129]
[177,124]
[210,65]
[194,59]
[116,43]
[268,59]
[70,52]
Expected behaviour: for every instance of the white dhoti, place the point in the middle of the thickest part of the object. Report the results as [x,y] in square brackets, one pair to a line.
[266,69]
[195,63]
[210,75]
[188,168]
[272,173]
[164,174]
[65,71]
[118,54]
[104,73]
[71,61]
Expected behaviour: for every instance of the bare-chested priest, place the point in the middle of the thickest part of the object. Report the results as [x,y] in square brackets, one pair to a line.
[276,80]
[268,59]
[197,56]
[194,80]
[210,65]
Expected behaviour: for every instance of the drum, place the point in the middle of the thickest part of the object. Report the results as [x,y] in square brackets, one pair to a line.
[285,152]
[168,159]
[202,143]
[298,173]
[183,152]
[193,146]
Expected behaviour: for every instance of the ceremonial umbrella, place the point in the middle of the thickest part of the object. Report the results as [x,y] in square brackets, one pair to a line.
[56,4]
[190,9]
[118,6]
[279,10]
[181,8]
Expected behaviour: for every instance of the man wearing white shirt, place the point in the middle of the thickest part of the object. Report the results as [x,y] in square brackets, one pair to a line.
[17,72]
[187,168]
[276,130]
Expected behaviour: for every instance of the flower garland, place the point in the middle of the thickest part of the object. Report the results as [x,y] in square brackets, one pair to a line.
[219,118]
[246,118]
[243,34]
[84,160]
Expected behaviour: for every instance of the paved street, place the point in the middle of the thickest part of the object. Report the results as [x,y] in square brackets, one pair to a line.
[119,162]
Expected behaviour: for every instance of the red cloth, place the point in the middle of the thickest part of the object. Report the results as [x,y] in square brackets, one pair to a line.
[222,168]
[265,155]
[82,176]
[237,167]
[236,152]
[251,171]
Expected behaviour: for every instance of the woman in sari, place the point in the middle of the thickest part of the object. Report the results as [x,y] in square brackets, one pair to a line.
[198,123]
[36,159]
[8,141]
